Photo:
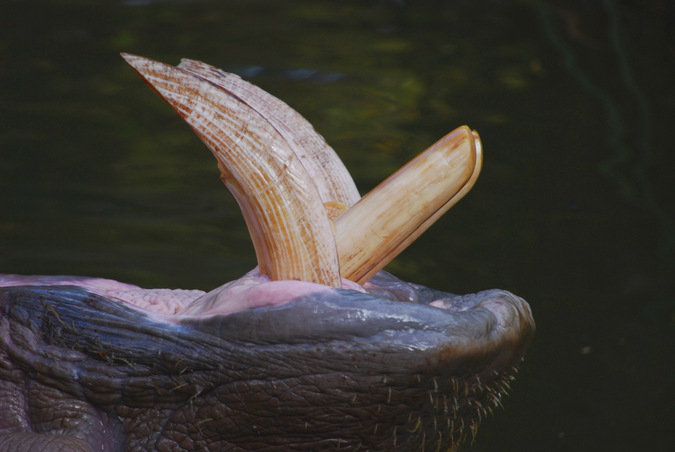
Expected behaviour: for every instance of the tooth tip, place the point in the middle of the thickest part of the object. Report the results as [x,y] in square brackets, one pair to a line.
[138,63]
[128,57]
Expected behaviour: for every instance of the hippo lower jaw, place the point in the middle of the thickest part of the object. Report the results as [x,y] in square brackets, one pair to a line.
[315,349]
[398,367]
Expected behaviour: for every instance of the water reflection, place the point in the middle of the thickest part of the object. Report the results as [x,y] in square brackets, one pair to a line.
[629,132]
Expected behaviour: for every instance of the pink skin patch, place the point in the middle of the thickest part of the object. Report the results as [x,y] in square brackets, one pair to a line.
[254,290]
[250,291]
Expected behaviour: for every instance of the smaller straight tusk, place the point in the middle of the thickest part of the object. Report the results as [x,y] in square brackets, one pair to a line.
[391,216]
[440,212]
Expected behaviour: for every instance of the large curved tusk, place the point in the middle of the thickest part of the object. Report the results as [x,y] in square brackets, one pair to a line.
[332,180]
[391,216]
[290,229]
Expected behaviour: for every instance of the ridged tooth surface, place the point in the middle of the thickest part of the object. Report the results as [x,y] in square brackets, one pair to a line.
[334,183]
[373,231]
[284,212]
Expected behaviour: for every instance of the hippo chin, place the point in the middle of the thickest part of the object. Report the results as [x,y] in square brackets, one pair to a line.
[315,349]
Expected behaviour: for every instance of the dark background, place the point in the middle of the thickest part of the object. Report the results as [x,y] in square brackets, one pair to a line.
[574,209]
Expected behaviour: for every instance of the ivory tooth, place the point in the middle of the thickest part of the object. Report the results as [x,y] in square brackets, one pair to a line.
[387,219]
[331,177]
[290,229]
[451,202]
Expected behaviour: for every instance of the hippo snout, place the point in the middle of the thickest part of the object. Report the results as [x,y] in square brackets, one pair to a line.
[317,348]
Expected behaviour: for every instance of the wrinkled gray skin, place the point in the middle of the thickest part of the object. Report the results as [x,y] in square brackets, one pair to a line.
[332,369]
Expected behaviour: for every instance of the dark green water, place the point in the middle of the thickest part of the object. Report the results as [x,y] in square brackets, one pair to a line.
[574,209]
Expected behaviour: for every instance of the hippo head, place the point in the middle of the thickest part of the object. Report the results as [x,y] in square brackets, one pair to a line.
[316,348]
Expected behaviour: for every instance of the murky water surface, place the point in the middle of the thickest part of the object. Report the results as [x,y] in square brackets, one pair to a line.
[573,211]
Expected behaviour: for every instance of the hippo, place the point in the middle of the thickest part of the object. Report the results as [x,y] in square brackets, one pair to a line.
[317,348]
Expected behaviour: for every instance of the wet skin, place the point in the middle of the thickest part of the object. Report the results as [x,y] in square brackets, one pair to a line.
[398,367]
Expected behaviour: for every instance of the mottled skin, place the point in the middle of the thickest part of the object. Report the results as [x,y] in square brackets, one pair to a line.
[397,367]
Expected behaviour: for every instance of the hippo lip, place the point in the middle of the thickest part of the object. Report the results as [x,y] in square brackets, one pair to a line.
[385,307]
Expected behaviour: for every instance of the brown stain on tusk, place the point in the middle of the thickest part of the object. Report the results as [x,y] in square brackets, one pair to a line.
[334,209]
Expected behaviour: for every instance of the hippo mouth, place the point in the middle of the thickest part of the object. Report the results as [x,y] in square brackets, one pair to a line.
[318,293]
[305,216]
